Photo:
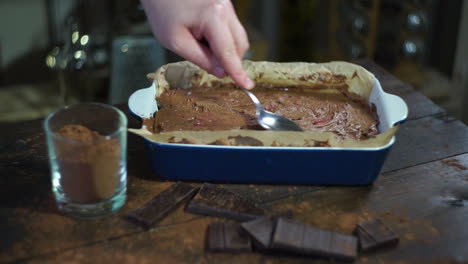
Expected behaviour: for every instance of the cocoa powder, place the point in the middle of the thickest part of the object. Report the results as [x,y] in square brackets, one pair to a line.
[88,164]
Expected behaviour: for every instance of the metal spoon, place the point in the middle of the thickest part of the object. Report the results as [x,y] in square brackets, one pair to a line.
[271,121]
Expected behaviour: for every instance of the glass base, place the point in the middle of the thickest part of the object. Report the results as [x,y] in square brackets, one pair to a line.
[106,207]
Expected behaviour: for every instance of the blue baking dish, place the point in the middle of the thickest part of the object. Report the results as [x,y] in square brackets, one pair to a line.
[273,165]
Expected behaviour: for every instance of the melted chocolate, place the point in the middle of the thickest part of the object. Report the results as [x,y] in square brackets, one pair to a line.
[228,108]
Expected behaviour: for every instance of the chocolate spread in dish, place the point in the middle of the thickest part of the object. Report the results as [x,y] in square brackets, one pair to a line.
[228,108]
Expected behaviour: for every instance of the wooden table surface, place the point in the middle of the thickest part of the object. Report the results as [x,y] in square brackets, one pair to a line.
[422,194]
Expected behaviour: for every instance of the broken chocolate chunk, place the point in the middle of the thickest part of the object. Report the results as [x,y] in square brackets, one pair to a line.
[161,205]
[219,202]
[227,237]
[291,236]
[374,234]
[261,231]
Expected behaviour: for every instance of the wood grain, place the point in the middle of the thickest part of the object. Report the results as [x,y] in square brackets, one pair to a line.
[417,203]
[427,139]
[427,205]
[29,209]
[29,221]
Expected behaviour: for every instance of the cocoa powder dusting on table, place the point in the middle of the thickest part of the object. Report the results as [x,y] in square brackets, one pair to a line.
[89,164]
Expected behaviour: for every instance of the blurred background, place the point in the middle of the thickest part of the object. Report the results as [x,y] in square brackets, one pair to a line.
[57,52]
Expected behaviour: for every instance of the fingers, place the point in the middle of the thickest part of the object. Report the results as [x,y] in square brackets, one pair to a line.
[223,47]
[240,38]
[182,29]
[238,32]
[186,46]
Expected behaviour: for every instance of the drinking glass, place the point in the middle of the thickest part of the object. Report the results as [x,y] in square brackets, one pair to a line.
[87,146]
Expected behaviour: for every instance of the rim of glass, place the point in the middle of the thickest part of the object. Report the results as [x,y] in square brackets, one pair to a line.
[115,109]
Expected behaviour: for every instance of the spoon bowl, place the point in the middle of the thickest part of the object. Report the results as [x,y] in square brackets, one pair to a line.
[269,120]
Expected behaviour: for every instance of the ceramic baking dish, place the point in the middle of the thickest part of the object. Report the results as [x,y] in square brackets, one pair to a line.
[275,165]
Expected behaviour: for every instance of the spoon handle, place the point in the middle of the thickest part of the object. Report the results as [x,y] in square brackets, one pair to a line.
[255,100]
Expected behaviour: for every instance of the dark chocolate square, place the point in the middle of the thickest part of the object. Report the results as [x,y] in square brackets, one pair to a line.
[288,235]
[260,231]
[295,237]
[227,237]
[213,201]
[215,237]
[161,204]
[375,234]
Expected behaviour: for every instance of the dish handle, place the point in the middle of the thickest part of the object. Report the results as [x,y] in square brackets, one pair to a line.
[398,109]
[142,102]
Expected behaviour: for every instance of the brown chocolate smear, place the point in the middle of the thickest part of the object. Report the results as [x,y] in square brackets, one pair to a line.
[89,164]
[245,141]
[228,108]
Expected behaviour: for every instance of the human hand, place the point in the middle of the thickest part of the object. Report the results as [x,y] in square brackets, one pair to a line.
[205,32]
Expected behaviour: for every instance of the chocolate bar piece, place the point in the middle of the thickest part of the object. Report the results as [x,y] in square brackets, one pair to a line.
[374,234]
[260,230]
[227,237]
[220,202]
[161,204]
[291,236]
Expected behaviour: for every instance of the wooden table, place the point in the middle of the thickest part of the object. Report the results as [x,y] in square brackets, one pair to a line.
[422,194]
